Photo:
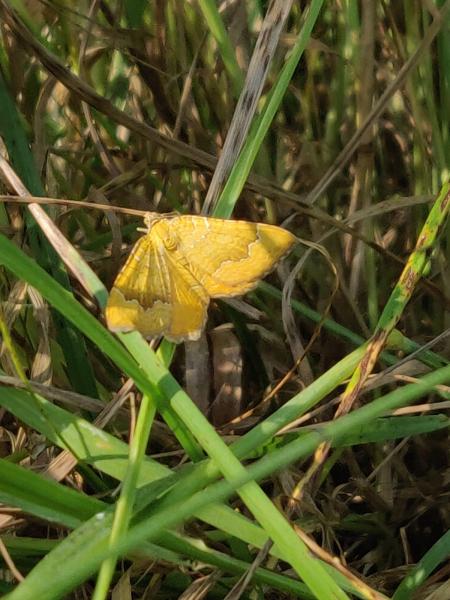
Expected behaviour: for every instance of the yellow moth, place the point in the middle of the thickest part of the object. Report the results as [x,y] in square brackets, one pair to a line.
[182,261]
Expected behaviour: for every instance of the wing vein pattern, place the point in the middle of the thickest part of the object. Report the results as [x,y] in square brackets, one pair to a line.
[166,283]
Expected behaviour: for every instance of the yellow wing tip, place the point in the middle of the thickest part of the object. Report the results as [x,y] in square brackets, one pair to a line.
[125,316]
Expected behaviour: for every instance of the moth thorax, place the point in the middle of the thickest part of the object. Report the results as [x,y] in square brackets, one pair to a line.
[162,230]
[150,219]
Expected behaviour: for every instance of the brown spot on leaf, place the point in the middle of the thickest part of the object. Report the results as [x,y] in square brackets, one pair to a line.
[445,201]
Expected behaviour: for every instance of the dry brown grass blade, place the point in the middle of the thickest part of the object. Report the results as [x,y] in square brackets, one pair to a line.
[9,562]
[97,140]
[67,398]
[41,369]
[265,47]
[200,587]
[227,375]
[60,466]
[360,585]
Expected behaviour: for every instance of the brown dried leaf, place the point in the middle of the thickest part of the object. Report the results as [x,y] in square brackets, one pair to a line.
[227,376]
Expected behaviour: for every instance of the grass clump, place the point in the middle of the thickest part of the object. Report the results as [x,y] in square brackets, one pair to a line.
[299,449]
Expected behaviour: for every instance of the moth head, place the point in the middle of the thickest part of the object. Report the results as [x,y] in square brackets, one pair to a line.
[150,219]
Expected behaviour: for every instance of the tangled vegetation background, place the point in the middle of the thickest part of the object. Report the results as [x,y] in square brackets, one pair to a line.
[299,449]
